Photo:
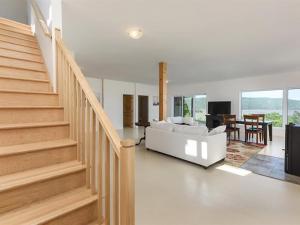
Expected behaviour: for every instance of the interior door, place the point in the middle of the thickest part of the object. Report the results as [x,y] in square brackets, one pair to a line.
[143,109]
[127,110]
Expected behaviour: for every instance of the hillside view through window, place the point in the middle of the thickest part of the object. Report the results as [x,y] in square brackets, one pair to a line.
[269,103]
[294,106]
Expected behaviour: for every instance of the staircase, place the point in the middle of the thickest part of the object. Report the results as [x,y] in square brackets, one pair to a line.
[42,179]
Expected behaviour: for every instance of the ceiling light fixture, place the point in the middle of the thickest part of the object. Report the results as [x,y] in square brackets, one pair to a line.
[135,33]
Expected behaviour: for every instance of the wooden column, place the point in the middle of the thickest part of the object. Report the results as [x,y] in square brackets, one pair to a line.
[162,91]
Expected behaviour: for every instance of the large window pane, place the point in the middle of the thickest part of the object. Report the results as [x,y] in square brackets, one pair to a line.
[200,107]
[264,102]
[178,106]
[294,106]
[187,106]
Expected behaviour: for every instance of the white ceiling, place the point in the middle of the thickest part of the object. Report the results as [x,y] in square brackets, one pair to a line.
[201,40]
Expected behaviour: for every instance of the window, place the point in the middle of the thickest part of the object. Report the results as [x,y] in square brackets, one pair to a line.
[200,108]
[264,102]
[187,106]
[294,106]
[177,106]
[190,106]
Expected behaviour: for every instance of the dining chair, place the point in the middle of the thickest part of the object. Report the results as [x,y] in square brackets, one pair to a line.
[261,118]
[230,122]
[251,123]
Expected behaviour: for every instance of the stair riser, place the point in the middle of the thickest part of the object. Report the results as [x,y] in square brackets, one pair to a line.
[36,159]
[21,99]
[81,216]
[17,35]
[19,48]
[31,135]
[11,116]
[18,41]
[25,195]
[21,64]
[20,55]
[18,73]
[23,85]
[14,29]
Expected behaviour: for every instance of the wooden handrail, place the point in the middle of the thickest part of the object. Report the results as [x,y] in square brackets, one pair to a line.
[40,18]
[97,138]
[91,97]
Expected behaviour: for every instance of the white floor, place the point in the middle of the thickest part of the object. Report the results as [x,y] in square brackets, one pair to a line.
[173,192]
[274,148]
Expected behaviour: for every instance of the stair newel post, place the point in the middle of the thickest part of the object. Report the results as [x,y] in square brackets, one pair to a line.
[116,188]
[127,182]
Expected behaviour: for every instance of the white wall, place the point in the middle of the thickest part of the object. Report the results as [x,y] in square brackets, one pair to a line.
[110,93]
[230,90]
[51,10]
[14,10]
[96,85]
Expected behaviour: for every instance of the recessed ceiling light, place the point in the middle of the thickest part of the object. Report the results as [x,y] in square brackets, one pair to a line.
[135,33]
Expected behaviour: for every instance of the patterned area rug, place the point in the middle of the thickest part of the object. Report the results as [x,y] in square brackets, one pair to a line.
[238,152]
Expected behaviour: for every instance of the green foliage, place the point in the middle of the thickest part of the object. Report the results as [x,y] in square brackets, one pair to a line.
[276,118]
[295,118]
[200,116]
[186,111]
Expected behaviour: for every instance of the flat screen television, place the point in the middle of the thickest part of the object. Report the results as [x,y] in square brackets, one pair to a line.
[216,108]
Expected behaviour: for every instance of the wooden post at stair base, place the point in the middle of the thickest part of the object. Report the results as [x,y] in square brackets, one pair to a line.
[127,182]
[162,91]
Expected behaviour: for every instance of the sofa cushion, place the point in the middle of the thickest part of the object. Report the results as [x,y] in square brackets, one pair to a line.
[188,120]
[162,125]
[217,130]
[177,119]
[195,130]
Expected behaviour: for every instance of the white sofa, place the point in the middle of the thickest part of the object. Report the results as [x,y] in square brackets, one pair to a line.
[193,144]
[182,120]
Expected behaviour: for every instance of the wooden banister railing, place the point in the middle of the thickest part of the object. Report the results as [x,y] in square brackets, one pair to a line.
[110,162]
[40,18]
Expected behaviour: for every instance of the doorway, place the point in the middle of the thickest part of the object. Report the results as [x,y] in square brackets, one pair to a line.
[127,110]
[143,107]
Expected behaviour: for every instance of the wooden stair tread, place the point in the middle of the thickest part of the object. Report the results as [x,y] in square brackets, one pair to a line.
[38,146]
[17,41]
[31,107]
[16,29]
[24,79]
[27,92]
[15,23]
[18,35]
[11,181]
[31,125]
[50,208]
[95,223]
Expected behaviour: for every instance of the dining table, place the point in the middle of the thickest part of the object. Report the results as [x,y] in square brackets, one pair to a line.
[267,126]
